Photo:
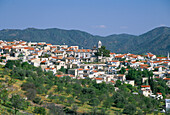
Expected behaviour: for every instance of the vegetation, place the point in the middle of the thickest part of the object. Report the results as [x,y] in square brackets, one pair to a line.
[156,41]
[137,75]
[47,93]
[103,52]
[157,85]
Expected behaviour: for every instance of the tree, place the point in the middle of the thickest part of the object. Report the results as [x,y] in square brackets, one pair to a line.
[70,100]
[37,100]
[76,89]
[102,97]
[40,110]
[68,90]
[60,87]
[107,103]
[103,111]
[74,108]
[110,88]
[31,93]
[83,100]
[94,102]
[62,69]
[28,85]
[55,110]
[139,112]
[122,71]
[119,99]
[118,83]
[4,95]
[129,109]
[12,63]
[103,51]
[62,98]
[88,92]
[16,102]
[94,111]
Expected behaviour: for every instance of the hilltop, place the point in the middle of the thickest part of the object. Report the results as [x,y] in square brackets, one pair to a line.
[156,41]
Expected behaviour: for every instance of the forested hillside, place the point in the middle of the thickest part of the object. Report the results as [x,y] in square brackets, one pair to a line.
[25,89]
[156,41]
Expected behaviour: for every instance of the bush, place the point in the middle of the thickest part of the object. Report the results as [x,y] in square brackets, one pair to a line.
[129,109]
[31,93]
[74,108]
[37,100]
[70,100]
[40,110]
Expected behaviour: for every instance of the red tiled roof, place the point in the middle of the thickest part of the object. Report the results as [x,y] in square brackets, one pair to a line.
[53,47]
[7,47]
[48,44]
[59,75]
[161,57]
[83,50]
[145,86]
[80,69]
[112,53]
[167,79]
[157,61]
[43,61]
[94,71]
[99,78]
[159,93]
[30,48]
[57,51]
[114,61]
[112,81]
[120,75]
[150,55]
[119,56]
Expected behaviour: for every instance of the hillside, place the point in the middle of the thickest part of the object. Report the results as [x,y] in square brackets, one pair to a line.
[156,41]
[26,89]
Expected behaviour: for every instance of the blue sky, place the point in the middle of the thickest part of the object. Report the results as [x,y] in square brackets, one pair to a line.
[98,17]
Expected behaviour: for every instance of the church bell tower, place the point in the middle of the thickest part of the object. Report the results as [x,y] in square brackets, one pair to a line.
[99,44]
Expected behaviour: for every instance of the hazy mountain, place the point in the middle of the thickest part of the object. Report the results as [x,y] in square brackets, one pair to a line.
[156,41]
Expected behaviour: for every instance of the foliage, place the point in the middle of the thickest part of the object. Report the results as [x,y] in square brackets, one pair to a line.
[17,102]
[118,83]
[78,93]
[159,86]
[70,100]
[121,43]
[40,110]
[122,71]
[3,94]
[94,102]
[55,110]
[107,103]
[129,109]
[137,75]
[37,100]
[74,108]
[63,69]
[103,52]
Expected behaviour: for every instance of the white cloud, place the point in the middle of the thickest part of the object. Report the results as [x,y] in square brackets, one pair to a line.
[123,27]
[162,25]
[100,26]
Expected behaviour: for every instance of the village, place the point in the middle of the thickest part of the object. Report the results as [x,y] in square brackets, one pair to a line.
[79,63]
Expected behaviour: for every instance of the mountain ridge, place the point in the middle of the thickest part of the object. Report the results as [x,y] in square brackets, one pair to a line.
[156,40]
